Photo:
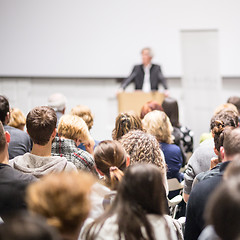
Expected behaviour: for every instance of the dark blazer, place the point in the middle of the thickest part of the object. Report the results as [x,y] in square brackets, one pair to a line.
[137,76]
[13,185]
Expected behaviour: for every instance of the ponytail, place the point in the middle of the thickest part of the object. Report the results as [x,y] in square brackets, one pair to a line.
[115,176]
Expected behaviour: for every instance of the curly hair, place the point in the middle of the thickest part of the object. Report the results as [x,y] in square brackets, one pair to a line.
[158,124]
[143,147]
[124,123]
[85,113]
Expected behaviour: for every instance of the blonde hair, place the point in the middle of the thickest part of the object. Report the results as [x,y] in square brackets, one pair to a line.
[158,124]
[85,113]
[221,107]
[62,198]
[74,127]
[17,118]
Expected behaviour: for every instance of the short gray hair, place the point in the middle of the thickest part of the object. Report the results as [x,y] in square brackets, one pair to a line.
[149,50]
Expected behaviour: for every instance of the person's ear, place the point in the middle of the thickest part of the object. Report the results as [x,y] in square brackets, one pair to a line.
[128,161]
[8,136]
[54,133]
[222,152]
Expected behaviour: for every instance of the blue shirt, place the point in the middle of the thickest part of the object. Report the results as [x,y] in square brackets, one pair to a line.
[173,158]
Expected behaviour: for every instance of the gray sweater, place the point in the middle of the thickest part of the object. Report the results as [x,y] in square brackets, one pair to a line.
[40,166]
[199,162]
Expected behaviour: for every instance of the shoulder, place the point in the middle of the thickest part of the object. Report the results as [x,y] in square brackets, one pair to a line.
[16,175]
[16,132]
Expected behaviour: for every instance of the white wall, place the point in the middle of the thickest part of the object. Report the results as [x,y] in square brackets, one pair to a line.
[103,37]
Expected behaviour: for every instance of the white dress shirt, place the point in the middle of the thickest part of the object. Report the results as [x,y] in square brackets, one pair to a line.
[146,81]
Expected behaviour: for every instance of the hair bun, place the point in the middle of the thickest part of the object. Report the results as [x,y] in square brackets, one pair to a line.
[219,127]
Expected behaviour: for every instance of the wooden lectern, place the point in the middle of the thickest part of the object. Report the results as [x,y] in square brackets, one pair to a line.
[134,101]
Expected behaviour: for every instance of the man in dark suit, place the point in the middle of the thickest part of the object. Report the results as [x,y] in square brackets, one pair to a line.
[146,76]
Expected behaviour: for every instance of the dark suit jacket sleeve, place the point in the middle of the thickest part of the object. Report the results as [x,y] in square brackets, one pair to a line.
[162,79]
[128,80]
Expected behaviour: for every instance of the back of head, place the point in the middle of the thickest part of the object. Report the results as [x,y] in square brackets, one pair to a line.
[73,127]
[142,147]
[27,227]
[17,118]
[224,106]
[170,107]
[158,124]
[225,118]
[124,123]
[62,198]
[223,209]
[142,189]
[110,158]
[57,101]
[41,122]
[235,101]
[233,168]
[150,106]
[85,113]
[3,141]
[231,142]
[4,108]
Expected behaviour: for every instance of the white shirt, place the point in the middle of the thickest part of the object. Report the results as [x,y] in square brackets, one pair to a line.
[146,81]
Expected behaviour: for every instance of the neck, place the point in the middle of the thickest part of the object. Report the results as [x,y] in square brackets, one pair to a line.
[43,151]
[4,156]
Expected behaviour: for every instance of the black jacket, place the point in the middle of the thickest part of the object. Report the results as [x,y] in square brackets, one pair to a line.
[137,76]
[13,185]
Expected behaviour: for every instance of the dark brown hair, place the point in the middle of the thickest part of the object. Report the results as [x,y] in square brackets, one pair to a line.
[170,107]
[4,108]
[124,123]
[231,142]
[2,138]
[150,106]
[110,158]
[223,209]
[41,121]
[140,192]
[235,101]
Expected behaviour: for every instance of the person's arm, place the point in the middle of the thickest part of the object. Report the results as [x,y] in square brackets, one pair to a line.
[162,79]
[128,80]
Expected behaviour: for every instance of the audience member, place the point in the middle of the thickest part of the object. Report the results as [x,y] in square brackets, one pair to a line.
[221,121]
[183,135]
[57,101]
[143,147]
[138,211]
[27,227]
[200,161]
[111,160]
[63,199]
[20,141]
[12,183]
[85,113]
[203,190]
[72,131]
[158,124]
[41,126]
[231,173]
[124,123]
[149,107]
[236,102]
[17,119]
